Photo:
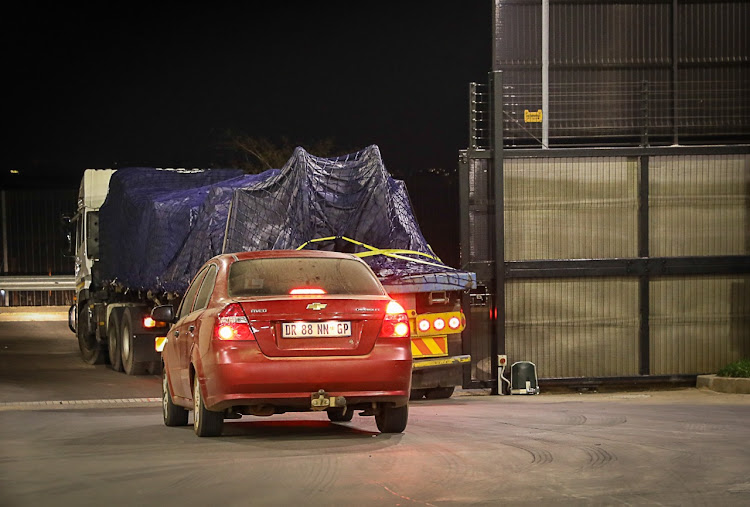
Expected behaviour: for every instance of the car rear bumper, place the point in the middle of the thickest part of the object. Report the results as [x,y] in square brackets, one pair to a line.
[240,375]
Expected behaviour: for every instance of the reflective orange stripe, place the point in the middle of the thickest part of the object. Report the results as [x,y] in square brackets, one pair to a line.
[429,347]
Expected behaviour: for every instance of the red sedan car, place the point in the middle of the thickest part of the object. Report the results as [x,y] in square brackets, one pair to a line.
[263,333]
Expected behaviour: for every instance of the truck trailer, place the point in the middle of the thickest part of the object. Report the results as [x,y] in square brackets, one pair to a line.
[141,234]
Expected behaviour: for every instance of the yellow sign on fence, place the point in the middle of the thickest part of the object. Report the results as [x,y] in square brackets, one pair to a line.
[532,116]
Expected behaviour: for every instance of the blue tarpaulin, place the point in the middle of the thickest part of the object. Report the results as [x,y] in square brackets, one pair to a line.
[159,226]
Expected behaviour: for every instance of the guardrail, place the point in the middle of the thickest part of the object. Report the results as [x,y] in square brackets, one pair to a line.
[55,282]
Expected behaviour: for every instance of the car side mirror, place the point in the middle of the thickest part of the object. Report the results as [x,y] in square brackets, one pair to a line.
[163,313]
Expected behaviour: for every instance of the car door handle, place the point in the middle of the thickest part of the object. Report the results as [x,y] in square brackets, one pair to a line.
[191,329]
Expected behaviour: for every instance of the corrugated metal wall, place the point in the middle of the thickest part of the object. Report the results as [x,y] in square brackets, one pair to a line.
[626,72]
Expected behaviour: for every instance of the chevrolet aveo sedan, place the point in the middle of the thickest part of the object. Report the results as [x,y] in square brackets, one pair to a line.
[268,332]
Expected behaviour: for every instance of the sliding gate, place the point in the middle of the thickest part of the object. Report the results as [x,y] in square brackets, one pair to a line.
[596,264]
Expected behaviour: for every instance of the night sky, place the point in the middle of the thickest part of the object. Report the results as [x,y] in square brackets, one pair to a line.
[127,84]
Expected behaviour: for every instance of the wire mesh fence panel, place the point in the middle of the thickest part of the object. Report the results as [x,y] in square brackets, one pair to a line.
[699,205]
[574,327]
[570,208]
[699,324]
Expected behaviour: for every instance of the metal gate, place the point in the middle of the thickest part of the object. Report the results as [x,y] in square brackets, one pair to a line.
[604,263]
[33,244]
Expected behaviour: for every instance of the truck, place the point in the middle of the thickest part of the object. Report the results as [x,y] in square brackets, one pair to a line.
[141,234]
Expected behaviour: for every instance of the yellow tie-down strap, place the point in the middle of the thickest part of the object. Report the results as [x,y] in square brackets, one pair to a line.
[388,252]
[443,361]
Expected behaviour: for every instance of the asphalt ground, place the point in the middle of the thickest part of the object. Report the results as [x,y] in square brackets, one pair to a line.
[75,434]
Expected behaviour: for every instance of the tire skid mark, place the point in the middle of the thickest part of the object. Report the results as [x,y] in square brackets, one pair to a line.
[598,456]
[538,456]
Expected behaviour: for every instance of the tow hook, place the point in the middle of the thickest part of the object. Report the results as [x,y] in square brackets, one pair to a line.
[321,401]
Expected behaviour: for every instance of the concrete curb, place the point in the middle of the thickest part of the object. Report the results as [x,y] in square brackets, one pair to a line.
[724,384]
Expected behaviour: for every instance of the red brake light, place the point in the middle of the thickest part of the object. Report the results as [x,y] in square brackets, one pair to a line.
[424,325]
[307,291]
[439,324]
[395,322]
[232,324]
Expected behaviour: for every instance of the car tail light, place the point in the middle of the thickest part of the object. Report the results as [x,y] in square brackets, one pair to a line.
[424,325]
[232,324]
[454,323]
[439,324]
[307,291]
[395,322]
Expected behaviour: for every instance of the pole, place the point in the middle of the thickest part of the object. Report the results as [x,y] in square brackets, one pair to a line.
[545,73]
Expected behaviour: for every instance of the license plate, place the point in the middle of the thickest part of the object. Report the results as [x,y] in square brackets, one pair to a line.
[331,328]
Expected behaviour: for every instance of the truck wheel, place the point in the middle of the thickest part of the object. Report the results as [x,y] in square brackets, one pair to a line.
[113,341]
[440,393]
[173,415]
[417,394]
[129,360]
[92,351]
[339,414]
[205,422]
[392,419]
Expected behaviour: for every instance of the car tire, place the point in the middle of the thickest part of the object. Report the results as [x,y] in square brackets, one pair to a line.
[440,393]
[340,414]
[174,415]
[205,422]
[392,419]
[130,362]
[92,351]
[113,340]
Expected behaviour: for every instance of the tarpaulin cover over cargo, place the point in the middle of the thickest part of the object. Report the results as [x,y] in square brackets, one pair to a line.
[159,226]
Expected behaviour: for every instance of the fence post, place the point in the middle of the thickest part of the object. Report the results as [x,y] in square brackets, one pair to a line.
[644,113]
[498,344]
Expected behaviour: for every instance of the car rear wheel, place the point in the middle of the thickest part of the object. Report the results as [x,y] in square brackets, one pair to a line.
[113,340]
[440,393]
[127,343]
[340,414]
[205,422]
[173,415]
[392,419]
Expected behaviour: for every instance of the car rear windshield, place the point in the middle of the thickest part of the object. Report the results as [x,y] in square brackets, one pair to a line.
[280,276]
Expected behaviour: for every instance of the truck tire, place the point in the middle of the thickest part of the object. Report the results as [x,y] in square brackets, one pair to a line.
[205,422]
[392,419]
[113,340]
[92,351]
[440,393]
[130,362]
[173,415]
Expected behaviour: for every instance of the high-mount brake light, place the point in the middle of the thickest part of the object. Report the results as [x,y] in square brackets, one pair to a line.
[307,291]
[395,322]
[232,324]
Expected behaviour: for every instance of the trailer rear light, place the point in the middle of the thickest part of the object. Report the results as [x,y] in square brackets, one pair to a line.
[424,325]
[395,322]
[232,324]
[149,323]
[439,324]
[307,291]
[454,323]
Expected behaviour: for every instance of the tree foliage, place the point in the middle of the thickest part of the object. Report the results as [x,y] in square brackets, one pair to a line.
[257,154]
